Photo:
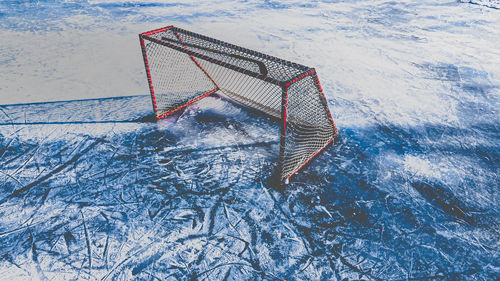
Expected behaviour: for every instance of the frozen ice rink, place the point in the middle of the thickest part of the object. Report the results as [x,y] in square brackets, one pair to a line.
[91,189]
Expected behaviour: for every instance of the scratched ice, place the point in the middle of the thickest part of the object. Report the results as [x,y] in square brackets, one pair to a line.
[90,188]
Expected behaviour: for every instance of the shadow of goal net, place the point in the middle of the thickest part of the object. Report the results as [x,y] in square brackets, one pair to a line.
[183,67]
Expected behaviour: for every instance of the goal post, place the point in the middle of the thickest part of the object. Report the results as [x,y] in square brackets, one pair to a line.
[183,67]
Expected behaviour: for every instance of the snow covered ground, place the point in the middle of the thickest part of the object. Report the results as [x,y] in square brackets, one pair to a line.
[91,189]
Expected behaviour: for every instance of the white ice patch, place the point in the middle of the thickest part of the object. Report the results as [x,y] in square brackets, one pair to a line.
[420,167]
[219,107]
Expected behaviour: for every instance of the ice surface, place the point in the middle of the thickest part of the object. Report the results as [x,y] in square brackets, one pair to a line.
[90,188]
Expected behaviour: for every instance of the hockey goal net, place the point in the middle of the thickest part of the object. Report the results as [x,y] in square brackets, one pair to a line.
[183,67]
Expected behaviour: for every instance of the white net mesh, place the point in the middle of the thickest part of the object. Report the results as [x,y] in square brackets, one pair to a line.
[184,67]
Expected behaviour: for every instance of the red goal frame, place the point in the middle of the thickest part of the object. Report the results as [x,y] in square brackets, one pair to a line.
[197,54]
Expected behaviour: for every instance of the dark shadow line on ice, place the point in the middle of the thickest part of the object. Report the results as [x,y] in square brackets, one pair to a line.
[147,119]
[479,4]
[77,100]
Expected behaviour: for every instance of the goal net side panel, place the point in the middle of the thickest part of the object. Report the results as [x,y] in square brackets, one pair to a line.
[309,127]
[175,80]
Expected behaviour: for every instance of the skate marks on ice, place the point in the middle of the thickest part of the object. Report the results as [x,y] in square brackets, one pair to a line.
[119,199]
[409,192]
[186,198]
